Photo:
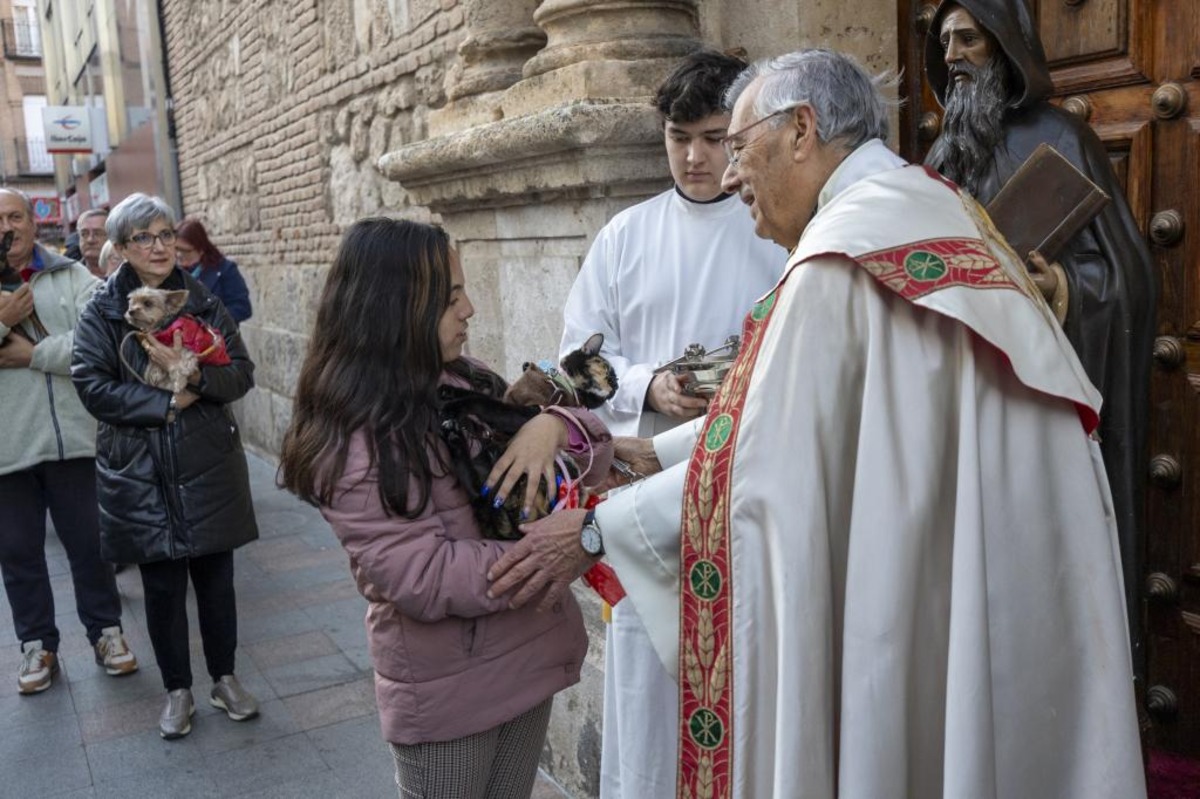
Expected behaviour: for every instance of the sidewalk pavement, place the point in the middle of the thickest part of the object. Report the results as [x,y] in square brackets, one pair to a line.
[302,652]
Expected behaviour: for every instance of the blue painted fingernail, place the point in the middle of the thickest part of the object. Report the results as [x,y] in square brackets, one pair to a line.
[483,492]
[499,501]
[524,515]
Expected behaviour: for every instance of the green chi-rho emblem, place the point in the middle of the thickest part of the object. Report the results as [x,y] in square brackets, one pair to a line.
[763,307]
[718,433]
[706,728]
[924,266]
[706,580]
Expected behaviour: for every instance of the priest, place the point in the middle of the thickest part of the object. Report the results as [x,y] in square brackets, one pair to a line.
[885,563]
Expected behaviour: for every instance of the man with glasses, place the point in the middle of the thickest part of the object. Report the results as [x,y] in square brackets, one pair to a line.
[92,237]
[47,457]
[683,267]
[895,568]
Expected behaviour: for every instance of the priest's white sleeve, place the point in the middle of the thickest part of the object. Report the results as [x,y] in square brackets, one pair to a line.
[641,540]
[675,445]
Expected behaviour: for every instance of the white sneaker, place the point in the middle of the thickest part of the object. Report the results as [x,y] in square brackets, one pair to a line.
[38,668]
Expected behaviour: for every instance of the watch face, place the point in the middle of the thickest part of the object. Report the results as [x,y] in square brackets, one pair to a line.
[589,539]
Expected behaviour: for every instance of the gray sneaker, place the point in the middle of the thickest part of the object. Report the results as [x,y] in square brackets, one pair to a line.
[229,695]
[176,718]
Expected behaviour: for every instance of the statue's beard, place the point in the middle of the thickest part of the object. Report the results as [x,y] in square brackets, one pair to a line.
[974,121]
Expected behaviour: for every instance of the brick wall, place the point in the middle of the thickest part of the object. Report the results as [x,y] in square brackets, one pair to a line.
[282,109]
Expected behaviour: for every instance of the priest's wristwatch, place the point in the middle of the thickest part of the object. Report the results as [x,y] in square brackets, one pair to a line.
[589,537]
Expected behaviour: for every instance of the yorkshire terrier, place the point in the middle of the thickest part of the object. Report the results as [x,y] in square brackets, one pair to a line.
[157,313]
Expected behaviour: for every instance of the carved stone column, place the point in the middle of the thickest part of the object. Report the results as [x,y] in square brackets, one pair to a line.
[610,48]
[501,37]
[612,30]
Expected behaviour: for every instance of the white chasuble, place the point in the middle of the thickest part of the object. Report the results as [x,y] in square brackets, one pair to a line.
[898,567]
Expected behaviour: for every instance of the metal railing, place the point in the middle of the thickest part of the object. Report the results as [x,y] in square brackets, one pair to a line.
[22,39]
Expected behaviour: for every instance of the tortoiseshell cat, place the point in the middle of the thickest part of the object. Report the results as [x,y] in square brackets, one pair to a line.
[477,428]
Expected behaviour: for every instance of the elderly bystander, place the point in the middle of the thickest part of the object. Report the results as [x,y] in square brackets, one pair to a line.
[47,458]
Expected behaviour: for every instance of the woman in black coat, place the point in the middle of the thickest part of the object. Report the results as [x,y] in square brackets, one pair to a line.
[173,484]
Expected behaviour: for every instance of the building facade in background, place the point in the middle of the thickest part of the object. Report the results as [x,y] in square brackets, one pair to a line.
[104,65]
[24,162]
[523,126]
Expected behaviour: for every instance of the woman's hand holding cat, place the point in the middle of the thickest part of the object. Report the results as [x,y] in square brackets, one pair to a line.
[548,559]
[530,453]
[666,396]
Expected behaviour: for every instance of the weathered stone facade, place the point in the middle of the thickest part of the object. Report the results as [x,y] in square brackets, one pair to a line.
[523,126]
[282,110]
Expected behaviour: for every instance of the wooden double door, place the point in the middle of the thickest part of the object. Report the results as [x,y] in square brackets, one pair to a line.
[1131,68]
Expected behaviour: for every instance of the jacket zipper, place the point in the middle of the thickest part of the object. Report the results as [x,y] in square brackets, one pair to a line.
[169,491]
[37,338]
[54,417]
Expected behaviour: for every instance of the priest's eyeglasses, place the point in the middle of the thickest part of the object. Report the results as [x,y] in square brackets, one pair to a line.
[733,151]
[146,239]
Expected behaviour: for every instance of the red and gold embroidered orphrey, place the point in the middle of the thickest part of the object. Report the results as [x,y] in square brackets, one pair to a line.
[706,602]
[922,267]
[706,589]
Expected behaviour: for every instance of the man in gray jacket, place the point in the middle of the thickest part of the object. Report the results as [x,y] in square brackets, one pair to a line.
[47,462]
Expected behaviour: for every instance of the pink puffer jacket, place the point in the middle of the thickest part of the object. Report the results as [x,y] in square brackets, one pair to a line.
[450,662]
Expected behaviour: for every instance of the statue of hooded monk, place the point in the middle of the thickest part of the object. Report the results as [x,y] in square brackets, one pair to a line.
[985,63]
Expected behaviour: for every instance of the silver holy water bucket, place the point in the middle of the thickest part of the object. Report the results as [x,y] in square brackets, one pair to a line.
[701,371]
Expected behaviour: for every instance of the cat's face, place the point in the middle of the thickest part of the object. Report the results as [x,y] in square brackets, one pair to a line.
[149,307]
[591,374]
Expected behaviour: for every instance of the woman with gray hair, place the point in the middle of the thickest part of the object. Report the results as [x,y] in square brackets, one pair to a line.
[174,490]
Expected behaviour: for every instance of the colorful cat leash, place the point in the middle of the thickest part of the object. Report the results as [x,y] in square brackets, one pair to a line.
[570,495]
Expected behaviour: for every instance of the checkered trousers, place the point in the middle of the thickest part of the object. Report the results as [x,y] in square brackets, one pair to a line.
[500,763]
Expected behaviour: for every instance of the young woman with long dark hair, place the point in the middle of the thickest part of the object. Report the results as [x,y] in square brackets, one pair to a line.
[464,684]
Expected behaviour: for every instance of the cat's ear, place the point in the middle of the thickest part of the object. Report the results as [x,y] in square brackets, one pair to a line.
[593,344]
[176,300]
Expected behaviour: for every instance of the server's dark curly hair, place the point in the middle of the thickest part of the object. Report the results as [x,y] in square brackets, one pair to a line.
[695,89]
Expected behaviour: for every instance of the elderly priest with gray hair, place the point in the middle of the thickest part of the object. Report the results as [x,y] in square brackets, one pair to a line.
[885,563]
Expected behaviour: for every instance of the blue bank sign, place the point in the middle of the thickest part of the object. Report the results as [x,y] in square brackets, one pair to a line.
[68,129]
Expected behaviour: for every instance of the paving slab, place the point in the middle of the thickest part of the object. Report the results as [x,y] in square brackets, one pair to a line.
[302,651]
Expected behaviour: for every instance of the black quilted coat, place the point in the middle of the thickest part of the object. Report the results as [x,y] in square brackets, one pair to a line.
[173,489]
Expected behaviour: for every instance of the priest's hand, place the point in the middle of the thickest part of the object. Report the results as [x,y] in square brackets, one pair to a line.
[633,459]
[666,396]
[549,558]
